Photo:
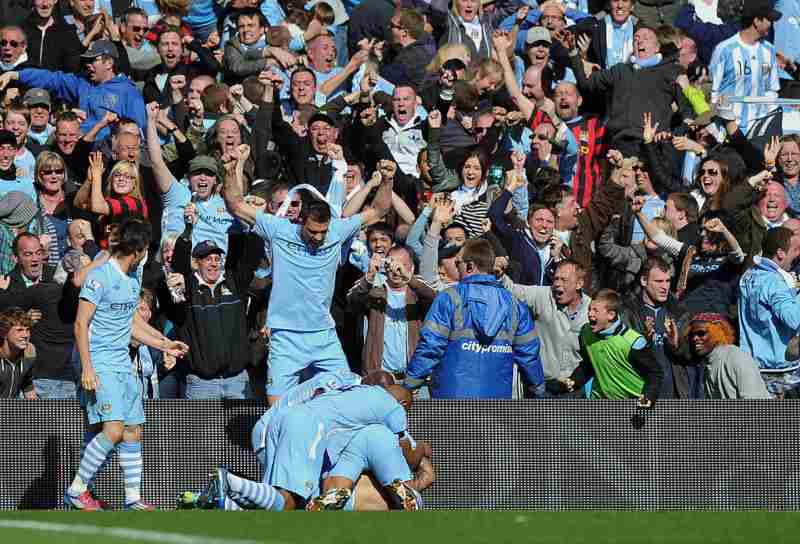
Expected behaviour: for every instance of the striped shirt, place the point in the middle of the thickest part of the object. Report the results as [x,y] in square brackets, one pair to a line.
[743,70]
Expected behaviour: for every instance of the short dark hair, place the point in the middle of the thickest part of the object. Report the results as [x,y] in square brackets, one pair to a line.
[250,12]
[410,252]
[775,239]
[67,116]
[684,202]
[580,270]
[303,70]
[21,236]
[132,11]
[479,252]
[656,262]
[456,225]
[413,22]
[317,211]
[610,298]
[122,121]
[133,236]
[382,227]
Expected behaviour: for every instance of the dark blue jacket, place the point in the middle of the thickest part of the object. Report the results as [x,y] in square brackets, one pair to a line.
[523,249]
[473,335]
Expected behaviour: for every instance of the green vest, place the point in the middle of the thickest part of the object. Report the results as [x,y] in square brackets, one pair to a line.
[614,377]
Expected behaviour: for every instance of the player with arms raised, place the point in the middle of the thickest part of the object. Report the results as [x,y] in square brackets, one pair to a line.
[106,321]
[305,259]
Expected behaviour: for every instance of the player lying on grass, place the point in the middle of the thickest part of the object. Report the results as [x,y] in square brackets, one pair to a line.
[297,440]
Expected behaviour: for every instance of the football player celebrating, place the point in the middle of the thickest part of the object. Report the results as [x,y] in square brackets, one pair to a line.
[106,322]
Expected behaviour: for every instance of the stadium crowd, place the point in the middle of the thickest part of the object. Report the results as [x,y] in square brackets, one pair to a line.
[484,198]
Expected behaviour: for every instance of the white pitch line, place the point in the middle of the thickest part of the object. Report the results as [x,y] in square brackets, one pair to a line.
[123,532]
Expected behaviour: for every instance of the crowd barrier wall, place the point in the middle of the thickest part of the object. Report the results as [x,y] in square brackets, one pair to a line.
[545,455]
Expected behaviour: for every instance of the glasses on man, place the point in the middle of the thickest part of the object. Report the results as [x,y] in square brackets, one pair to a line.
[136,29]
[698,334]
[12,43]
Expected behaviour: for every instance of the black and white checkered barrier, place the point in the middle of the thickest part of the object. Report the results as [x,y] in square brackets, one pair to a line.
[547,455]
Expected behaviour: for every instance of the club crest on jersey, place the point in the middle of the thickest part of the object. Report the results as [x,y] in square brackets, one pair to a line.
[106,408]
[92,285]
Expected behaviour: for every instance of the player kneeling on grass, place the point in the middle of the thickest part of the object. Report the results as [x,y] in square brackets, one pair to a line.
[373,473]
[106,321]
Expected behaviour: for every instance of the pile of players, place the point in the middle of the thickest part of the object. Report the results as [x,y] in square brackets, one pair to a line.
[334,442]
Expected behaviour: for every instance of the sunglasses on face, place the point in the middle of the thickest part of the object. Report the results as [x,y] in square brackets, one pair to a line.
[58,171]
[638,168]
[542,137]
[137,29]
[710,172]
[698,334]
[12,43]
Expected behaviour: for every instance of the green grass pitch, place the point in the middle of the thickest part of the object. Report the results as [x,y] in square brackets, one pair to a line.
[437,527]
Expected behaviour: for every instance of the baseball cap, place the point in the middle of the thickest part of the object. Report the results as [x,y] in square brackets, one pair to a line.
[100,47]
[37,97]
[204,162]
[7,138]
[206,248]
[760,8]
[324,116]
[537,34]
[447,251]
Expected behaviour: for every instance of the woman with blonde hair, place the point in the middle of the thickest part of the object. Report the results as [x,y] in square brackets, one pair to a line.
[50,180]
[121,199]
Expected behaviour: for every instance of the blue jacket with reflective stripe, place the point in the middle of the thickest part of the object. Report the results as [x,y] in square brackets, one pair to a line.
[471,338]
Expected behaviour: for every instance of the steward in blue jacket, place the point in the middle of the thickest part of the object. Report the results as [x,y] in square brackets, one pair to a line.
[474,334]
[104,92]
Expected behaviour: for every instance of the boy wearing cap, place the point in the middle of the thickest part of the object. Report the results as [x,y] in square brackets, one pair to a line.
[39,104]
[105,91]
[746,64]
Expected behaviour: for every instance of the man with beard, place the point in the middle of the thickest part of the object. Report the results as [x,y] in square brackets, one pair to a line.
[559,312]
[730,372]
[769,311]
[104,91]
[305,258]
